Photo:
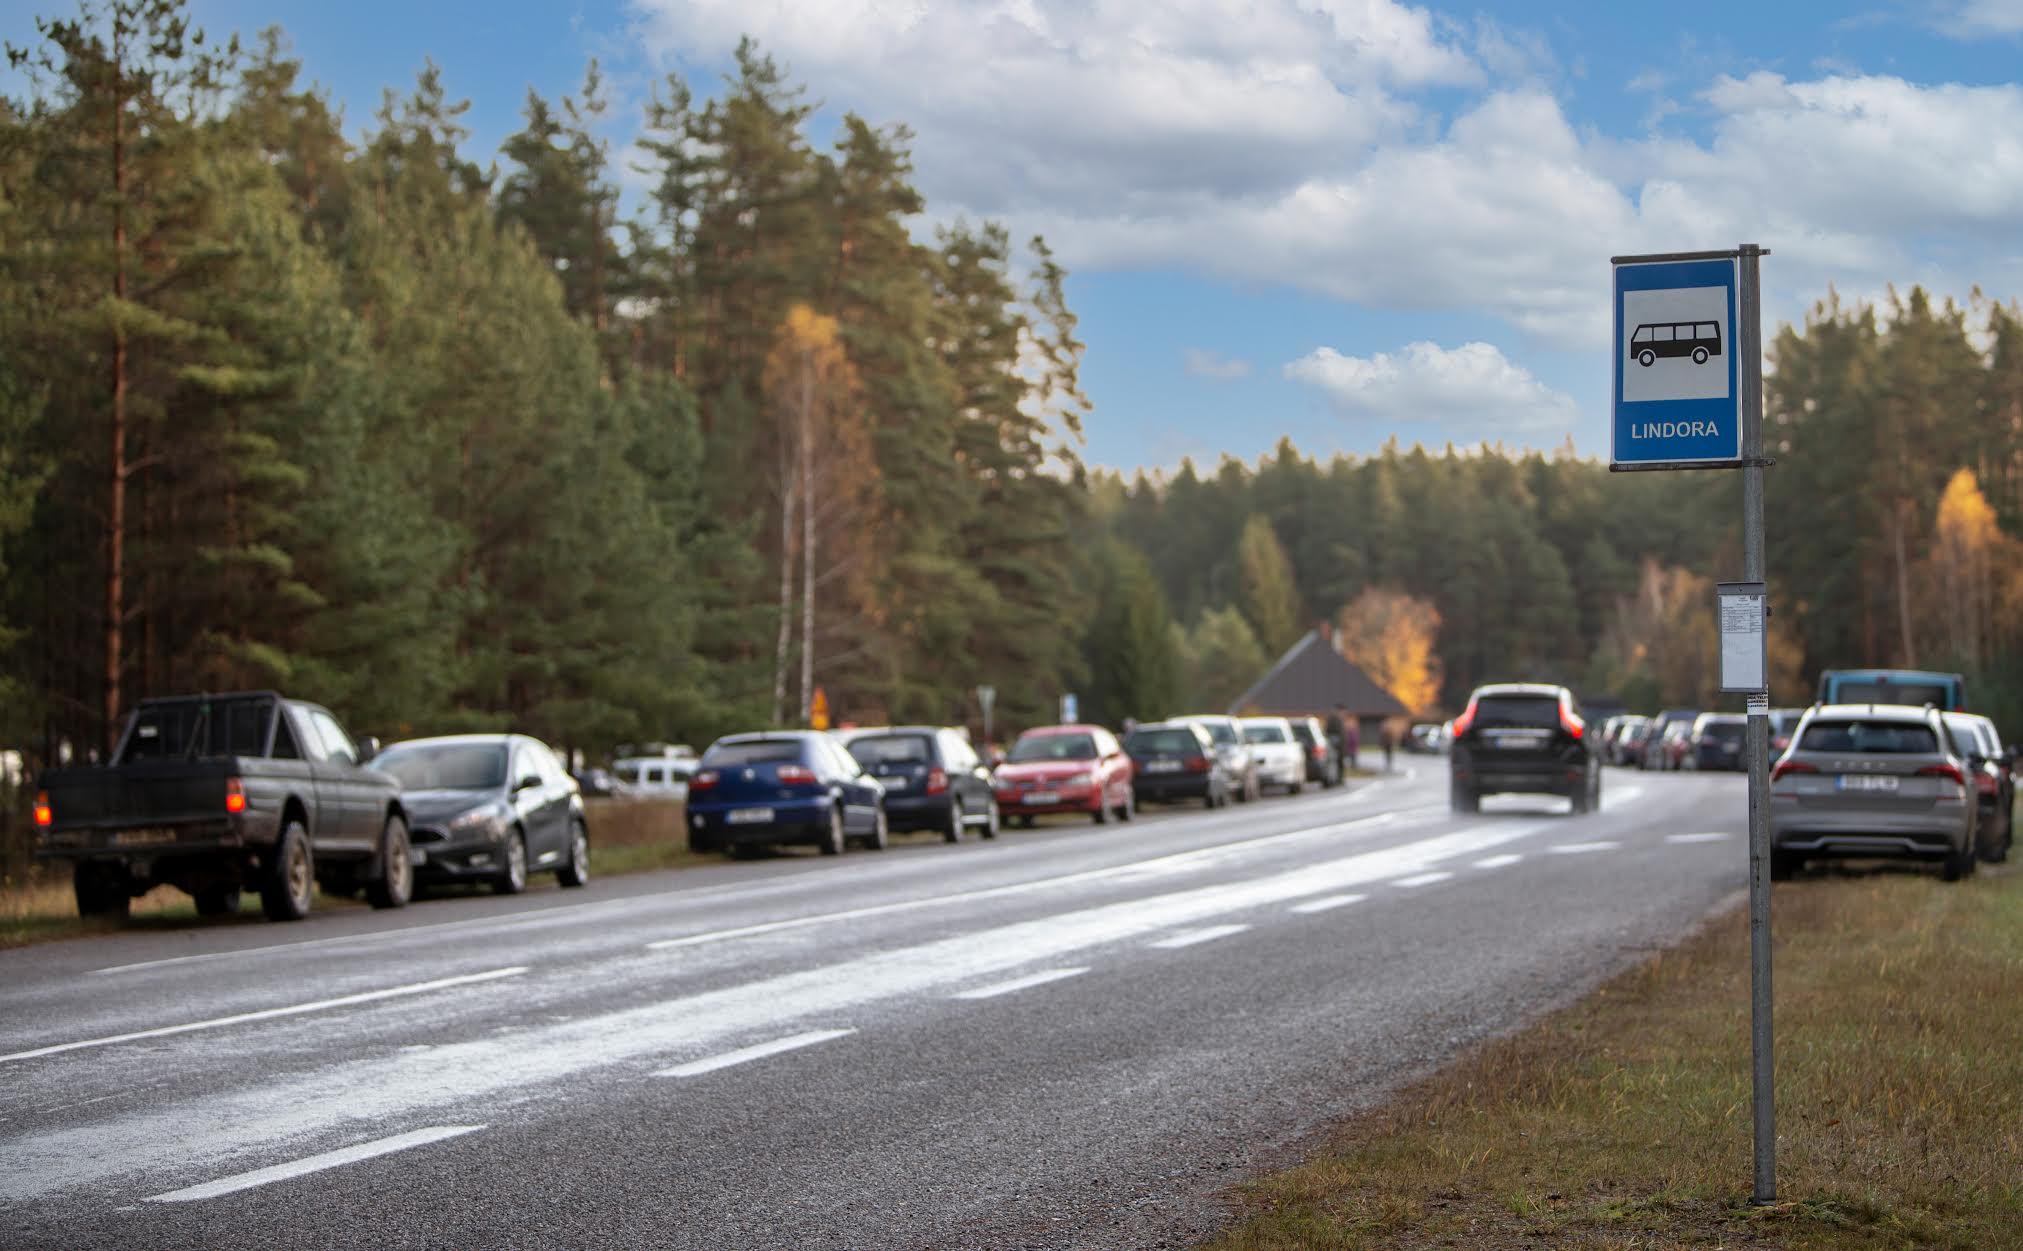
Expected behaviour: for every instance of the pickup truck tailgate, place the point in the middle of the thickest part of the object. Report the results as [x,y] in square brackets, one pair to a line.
[153,792]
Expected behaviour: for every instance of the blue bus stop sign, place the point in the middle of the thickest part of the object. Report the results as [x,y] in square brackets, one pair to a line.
[1677,402]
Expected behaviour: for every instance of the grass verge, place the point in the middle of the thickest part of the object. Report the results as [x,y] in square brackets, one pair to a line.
[1623,1121]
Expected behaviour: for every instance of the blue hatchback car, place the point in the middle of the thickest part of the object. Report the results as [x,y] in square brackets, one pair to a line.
[787,786]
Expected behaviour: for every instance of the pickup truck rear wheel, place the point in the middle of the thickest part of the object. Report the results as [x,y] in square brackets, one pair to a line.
[99,893]
[290,882]
[512,877]
[393,885]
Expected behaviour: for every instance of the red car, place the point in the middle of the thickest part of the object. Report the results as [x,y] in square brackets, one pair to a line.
[1065,768]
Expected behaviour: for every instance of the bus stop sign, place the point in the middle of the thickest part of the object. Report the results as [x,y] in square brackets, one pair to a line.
[1677,399]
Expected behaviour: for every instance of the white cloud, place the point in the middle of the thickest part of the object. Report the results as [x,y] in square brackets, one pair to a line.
[1213,365]
[1473,387]
[1974,18]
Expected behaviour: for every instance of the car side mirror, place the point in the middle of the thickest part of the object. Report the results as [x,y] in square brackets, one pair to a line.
[527,783]
[368,747]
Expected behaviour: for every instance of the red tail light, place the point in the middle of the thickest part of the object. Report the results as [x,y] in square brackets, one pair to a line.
[1571,724]
[704,780]
[1987,783]
[44,815]
[937,781]
[1790,766]
[235,796]
[1951,771]
[1319,751]
[1466,719]
[795,775]
[1197,764]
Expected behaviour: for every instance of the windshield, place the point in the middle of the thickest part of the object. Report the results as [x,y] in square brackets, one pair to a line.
[1517,712]
[1219,732]
[1263,734]
[1162,743]
[1886,738]
[446,766]
[891,749]
[1053,747]
[777,751]
[1915,694]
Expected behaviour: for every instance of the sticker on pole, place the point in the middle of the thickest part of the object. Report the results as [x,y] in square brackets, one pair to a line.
[1745,651]
[1677,401]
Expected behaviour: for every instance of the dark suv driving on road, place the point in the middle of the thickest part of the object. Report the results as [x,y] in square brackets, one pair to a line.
[1524,738]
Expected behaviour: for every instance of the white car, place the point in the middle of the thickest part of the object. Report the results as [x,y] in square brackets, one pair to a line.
[1280,759]
[655,777]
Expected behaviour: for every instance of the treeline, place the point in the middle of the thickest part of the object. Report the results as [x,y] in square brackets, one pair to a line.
[1893,518]
[451,446]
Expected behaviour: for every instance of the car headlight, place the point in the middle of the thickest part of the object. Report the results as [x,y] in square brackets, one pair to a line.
[1080,779]
[488,820]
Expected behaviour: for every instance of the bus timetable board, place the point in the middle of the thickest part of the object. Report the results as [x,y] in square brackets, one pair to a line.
[1677,402]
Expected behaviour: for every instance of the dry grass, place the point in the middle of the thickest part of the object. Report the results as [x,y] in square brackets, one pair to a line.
[1623,1122]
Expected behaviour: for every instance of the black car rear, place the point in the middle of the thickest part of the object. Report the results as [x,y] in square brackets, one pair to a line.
[1717,741]
[1324,761]
[933,779]
[1523,739]
[1176,760]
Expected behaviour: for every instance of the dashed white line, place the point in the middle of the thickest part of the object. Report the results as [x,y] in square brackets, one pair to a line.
[1206,934]
[1696,838]
[1325,902]
[268,1014]
[314,1163]
[1016,984]
[1422,879]
[1498,862]
[744,1055]
[1576,849]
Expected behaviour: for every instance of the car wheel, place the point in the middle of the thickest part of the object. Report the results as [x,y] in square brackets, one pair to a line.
[511,878]
[1025,821]
[956,818]
[575,871]
[1461,798]
[1784,866]
[1102,812]
[1297,788]
[217,901]
[291,876]
[833,844]
[393,885]
[993,820]
[1959,864]
[1211,801]
[880,835]
[1580,802]
[99,893]
[1129,808]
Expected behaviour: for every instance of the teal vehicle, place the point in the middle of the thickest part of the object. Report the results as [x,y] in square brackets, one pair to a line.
[1945,691]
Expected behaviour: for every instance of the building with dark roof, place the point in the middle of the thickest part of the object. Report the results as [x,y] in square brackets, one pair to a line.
[1311,679]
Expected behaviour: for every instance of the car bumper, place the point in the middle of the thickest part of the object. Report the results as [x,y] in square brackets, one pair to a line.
[1814,833]
[711,828]
[145,842]
[1165,787]
[918,812]
[1500,778]
[1087,800]
[1281,774]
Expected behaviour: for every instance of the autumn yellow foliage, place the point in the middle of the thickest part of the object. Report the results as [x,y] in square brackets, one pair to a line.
[1392,636]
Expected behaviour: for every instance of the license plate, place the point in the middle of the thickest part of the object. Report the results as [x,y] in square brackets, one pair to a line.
[1042,797]
[143,838]
[1865,782]
[749,816]
[1517,739]
[896,784]
[1162,766]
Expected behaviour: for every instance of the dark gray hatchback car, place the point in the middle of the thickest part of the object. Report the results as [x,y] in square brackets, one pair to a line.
[490,808]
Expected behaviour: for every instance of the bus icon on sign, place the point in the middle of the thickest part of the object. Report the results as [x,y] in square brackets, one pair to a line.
[1697,339]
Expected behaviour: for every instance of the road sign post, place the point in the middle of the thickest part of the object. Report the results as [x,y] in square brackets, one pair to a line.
[1688,394]
[986,696]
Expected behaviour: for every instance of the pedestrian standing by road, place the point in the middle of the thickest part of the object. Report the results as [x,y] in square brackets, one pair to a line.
[1337,730]
[1390,748]
[1352,744]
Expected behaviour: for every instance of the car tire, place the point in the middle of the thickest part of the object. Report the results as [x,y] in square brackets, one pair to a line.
[956,817]
[1102,812]
[833,844]
[1129,808]
[1957,865]
[1784,866]
[217,901]
[1463,799]
[575,870]
[393,885]
[880,836]
[1209,801]
[99,894]
[993,820]
[511,878]
[290,884]
[1297,788]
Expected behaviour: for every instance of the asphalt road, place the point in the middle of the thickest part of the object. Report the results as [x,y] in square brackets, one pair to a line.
[1071,1037]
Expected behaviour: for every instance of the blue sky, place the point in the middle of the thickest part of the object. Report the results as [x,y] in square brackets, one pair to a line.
[1337,220]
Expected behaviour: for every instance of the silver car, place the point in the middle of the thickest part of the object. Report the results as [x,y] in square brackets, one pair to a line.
[1235,754]
[1871,780]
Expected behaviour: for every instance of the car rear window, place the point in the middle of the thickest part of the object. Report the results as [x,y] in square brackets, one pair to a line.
[1725,731]
[218,727]
[1915,694]
[1263,734]
[1517,712]
[1965,741]
[892,749]
[1053,747]
[1304,732]
[787,751]
[1162,743]
[1882,738]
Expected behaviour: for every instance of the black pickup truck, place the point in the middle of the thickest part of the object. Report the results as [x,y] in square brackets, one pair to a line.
[215,794]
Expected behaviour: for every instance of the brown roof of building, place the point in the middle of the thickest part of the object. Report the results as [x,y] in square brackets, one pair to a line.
[1310,679]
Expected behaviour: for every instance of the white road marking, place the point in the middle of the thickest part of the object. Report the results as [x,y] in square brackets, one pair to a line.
[1207,934]
[1422,879]
[759,1051]
[268,1014]
[1177,862]
[1576,849]
[363,1092]
[1325,903]
[1621,794]
[314,1163]
[1016,984]
[1696,838]
[1498,862]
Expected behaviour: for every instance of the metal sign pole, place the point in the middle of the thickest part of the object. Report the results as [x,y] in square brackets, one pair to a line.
[1757,743]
